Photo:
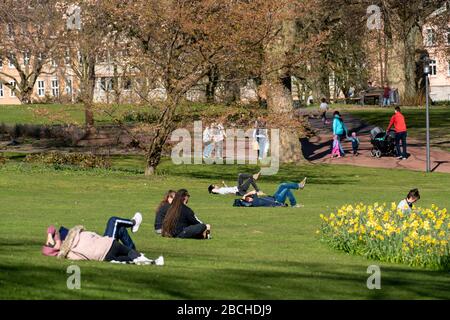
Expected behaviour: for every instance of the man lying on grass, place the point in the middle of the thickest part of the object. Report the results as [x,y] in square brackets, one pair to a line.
[245,180]
[79,244]
[257,199]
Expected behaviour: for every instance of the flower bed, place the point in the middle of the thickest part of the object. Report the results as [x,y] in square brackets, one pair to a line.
[420,238]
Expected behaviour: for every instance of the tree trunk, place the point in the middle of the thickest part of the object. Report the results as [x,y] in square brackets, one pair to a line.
[213,78]
[162,133]
[279,94]
[401,66]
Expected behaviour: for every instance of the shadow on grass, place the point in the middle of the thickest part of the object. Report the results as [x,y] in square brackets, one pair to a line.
[217,173]
[297,281]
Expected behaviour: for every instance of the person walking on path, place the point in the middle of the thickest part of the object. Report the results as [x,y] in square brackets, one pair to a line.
[323,109]
[387,95]
[398,121]
[208,141]
[219,137]
[339,129]
[260,135]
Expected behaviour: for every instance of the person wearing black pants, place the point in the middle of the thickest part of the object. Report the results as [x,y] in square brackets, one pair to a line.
[121,253]
[181,221]
[245,180]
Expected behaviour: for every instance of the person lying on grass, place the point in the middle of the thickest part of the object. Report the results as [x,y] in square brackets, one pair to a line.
[244,182]
[406,204]
[181,221]
[255,199]
[79,244]
[161,211]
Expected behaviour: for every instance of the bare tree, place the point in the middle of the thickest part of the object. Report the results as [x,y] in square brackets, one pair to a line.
[33,35]
[176,43]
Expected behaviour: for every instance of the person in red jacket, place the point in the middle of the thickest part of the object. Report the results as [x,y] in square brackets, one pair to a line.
[398,121]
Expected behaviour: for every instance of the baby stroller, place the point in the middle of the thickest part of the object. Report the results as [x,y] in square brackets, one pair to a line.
[383,144]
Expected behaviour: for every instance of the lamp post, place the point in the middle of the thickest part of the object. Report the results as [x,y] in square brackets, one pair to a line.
[426,72]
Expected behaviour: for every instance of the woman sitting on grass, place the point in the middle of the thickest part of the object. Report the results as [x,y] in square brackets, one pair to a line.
[181,222]
[80,244]
[161,211]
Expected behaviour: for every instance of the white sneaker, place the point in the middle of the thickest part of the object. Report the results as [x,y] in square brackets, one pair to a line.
[119,262]
[138,220]
[159,261]
[142,260]
[302,184]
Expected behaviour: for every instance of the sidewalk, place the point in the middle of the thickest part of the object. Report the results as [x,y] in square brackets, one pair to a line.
[318,149]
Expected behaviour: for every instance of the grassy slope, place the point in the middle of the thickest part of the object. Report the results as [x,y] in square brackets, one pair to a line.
[255,254]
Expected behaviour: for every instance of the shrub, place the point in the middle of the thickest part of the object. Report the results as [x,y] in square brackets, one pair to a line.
[58,159]
[420,238]
[2,160]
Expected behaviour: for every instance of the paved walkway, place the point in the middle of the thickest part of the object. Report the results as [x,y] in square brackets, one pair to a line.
[318,148]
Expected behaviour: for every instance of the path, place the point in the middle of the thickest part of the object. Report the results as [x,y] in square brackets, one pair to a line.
[317,149]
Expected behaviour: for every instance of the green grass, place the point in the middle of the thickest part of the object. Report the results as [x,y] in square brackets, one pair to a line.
[255,253]
[415,121]
[103,114]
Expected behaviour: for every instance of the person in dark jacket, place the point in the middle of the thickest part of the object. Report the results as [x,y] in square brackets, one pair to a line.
[181,221]
[161,211]
[255,199]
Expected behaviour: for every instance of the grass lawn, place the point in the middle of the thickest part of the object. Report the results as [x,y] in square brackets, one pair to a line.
[415,121]
[255,253]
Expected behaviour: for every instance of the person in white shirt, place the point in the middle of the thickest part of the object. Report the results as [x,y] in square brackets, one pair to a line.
[245,180]
[219,136]
[208,141]
[406,204]
[260,135]
[324,108]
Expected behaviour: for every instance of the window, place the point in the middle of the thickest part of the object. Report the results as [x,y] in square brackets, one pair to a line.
[430,38]
[26,58]
[54,63]
[1,90]
[1,63]
[448,36]
[433,67]
[69,86]
[67,57]
[55,87]
[13,89]
[10,30]
[106,84]
[10,64]
[41,88]
[127,85]
[80,57]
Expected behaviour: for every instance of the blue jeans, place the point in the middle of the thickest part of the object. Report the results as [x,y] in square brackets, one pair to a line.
[208,150]
[340,137]
[386,101]
[284,191]
[117,228]
[401,136]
